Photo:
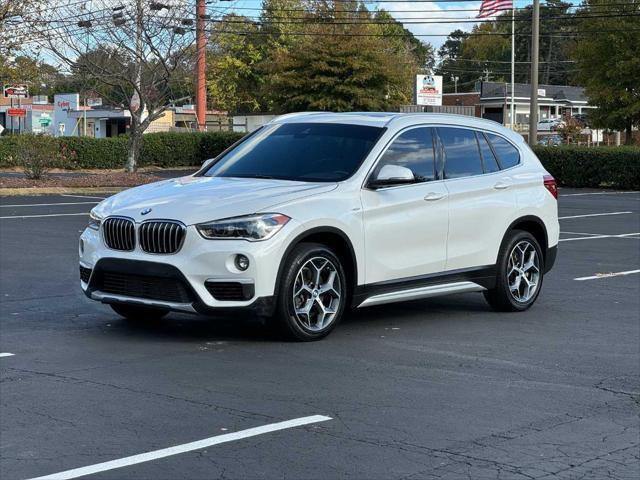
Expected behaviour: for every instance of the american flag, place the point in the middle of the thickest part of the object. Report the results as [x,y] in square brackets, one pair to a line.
[494,7]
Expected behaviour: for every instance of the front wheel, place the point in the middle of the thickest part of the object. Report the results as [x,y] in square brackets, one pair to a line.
[138,313]
[312,294]
[519,273]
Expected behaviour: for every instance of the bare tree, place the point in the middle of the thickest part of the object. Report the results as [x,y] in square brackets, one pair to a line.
[15,16]
[130,51]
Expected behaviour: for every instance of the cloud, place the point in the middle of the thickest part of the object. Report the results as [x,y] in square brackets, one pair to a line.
[415,11]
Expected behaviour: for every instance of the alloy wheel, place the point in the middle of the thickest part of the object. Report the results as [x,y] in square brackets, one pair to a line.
[317,292]
[523,271]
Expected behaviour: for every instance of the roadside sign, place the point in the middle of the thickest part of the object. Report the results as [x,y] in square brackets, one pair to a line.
[16,91]
[94,102]
[40,99]
[45,120]
[17,112]
[429,90]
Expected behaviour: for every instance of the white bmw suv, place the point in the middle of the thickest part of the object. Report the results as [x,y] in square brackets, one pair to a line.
[317,213]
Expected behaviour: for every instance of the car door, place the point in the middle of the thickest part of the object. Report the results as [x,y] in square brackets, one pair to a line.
[481,198]
[405,225]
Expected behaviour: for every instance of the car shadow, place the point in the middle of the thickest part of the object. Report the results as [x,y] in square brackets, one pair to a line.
[246,328]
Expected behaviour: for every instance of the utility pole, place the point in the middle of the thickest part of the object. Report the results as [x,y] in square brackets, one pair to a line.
[513,65]
[535,38]
[201,78]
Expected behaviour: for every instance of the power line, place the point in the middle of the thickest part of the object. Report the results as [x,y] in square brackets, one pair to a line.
[397,21]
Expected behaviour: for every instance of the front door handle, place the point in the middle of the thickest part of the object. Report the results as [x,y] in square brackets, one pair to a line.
[433,196]
[502,184]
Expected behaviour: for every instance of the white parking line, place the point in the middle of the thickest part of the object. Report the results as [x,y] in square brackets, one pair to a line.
[595,237]
[594,215]
[186,447]
[82,196]
[6,355]
[47,215]
[47,204]
[607,275]
[595,193]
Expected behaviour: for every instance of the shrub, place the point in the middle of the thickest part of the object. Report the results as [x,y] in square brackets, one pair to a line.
[595,167]
[165,149]
[36,154]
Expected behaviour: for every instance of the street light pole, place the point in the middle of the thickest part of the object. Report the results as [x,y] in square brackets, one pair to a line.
[535,37]
[201,46]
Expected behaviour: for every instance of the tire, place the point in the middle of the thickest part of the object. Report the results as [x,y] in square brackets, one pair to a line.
[504,297]
[300,271]
[138,314]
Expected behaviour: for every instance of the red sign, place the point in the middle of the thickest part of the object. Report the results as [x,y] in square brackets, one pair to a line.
[17,112]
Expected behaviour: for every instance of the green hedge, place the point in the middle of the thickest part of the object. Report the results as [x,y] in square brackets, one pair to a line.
[595,167]
[166,149]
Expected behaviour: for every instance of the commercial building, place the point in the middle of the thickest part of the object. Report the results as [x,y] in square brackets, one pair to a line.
[492,100]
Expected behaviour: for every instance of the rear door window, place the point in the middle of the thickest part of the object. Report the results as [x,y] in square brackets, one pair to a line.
[462,156]
[508,155]
[488,158]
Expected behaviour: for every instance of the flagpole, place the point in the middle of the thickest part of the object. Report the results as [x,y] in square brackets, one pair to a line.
[513,61]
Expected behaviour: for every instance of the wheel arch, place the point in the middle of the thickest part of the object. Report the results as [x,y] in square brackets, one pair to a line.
[333,238]
[535,226]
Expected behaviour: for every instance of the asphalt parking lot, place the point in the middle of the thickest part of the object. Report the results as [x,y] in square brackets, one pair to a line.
[439,388]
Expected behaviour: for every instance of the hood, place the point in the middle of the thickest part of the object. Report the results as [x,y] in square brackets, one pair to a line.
[194,200]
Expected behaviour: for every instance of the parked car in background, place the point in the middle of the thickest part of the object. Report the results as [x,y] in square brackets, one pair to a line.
[550,140]
[317,213]
[549,124]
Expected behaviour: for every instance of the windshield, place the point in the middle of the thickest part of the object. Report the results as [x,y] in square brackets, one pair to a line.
[307,152]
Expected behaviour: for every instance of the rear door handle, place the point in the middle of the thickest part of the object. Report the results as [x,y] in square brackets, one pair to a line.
[433,196]
[502,184]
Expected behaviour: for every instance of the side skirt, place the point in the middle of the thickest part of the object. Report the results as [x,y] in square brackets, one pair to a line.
[474,279]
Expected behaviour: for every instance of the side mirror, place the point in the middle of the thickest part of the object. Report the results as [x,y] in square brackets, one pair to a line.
[392,175]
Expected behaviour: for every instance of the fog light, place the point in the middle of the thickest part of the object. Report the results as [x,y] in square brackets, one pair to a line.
[242,262]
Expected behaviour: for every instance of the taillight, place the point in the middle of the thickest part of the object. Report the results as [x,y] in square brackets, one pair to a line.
[550,184]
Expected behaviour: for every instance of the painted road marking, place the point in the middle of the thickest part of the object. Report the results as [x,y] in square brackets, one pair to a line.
[82,196]
[186,447]
[48,204]
[595,237]
[47,215]
[6,355]
[607,275]
[593,215]
[595,193]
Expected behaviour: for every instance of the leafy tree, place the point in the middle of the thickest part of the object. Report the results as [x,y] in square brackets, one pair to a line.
[357,60]
[313,45]
[469,55]
[234,80]
[609,66]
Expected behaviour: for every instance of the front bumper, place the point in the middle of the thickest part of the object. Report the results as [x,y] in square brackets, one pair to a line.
[201,277]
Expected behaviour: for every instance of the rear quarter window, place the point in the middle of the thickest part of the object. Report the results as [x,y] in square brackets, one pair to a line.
[507,154]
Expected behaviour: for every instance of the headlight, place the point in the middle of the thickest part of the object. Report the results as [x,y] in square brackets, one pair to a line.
[251,227]
[94,220]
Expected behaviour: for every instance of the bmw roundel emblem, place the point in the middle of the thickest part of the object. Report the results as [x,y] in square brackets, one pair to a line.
[145,211]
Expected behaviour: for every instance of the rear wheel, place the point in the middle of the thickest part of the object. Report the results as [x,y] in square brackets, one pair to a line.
[519,273]
[138,313]
[312,294]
